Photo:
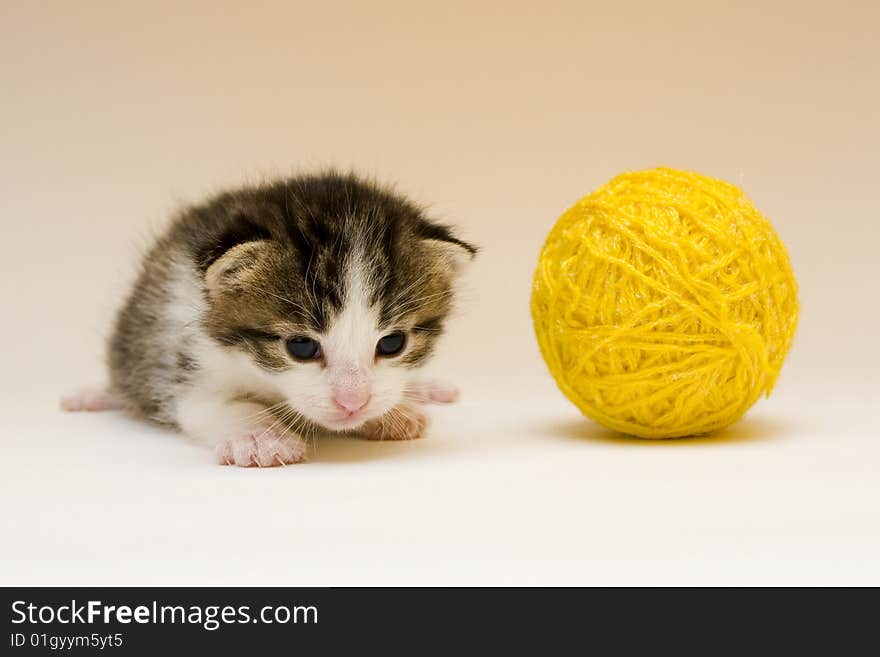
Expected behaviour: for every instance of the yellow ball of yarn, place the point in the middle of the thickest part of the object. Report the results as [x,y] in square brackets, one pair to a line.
[664,304]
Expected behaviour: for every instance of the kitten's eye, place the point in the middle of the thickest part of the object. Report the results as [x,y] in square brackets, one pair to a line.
[303,348]
[391,344]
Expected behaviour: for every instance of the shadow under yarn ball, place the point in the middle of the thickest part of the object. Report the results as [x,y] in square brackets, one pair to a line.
[664,304]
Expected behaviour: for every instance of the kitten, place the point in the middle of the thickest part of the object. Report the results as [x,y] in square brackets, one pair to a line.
[271,312]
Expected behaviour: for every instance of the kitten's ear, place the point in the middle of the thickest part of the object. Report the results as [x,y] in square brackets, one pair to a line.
[455,255]
[234,267]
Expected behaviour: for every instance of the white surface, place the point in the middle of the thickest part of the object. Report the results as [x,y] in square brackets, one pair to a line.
[499,493]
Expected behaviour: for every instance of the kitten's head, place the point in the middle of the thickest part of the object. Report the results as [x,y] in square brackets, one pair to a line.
[334,288]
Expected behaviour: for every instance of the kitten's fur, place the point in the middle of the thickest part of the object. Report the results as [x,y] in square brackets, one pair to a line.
[200,344]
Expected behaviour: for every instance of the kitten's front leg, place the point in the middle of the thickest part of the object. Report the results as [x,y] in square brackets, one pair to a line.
[242,433]
[407,420]
[432,392]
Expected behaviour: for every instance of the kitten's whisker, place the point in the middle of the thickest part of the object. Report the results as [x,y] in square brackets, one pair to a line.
[265,411]
[413,305]
[308,313]
[407,289]
[397,422]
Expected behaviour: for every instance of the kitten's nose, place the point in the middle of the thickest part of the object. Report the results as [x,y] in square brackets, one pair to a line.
[351,400]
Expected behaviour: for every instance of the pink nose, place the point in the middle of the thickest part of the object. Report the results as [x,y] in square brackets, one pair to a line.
[351,400]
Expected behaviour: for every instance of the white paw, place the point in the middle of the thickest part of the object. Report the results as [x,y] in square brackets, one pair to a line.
[437,392]
[402,422]
[90,399]
[261,448]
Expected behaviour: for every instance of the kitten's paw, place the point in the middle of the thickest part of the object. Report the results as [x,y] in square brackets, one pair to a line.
[437,392]
[402,422]
[90,399]
[261,448]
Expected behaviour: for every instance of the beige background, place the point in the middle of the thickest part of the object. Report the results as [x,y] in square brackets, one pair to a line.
[500,115]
